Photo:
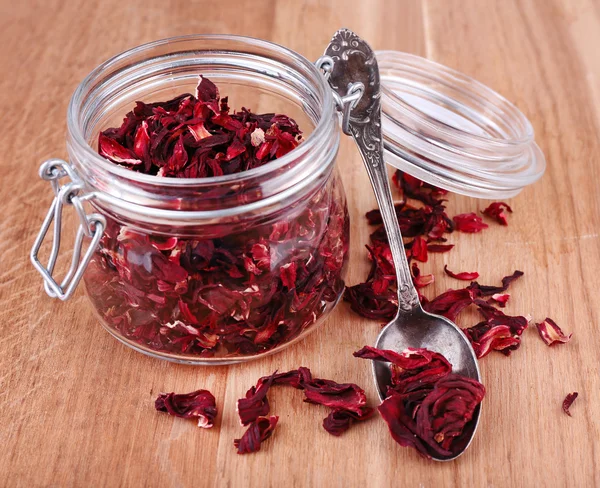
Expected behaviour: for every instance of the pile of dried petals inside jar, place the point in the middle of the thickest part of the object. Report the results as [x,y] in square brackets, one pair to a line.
[225,292]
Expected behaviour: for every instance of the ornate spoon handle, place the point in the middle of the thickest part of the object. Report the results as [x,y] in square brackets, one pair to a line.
[352,71]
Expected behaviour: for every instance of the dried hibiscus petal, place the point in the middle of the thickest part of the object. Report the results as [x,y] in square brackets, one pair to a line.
[339,420]
[493,316]
[469,222]
[500,298]
[568,401]
[499,332]
[466,276]
[488,290]
[450,303]
[112,150]
[198,404]
[419,249]
[365,301]
[412,369]
[258,432]
[551,333]
[255,403]
[439,247]
[347,396]
[486,338]
[443,416]
[420,280]
[496,211]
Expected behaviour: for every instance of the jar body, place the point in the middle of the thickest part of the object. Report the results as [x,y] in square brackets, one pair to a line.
[221,269]
[227,296]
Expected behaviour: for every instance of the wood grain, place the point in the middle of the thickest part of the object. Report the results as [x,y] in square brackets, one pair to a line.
[76,406]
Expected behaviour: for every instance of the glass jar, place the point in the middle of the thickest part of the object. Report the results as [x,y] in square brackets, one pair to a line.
[208,270]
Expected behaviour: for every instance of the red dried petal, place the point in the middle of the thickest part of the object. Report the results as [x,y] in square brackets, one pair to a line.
[551,333]
[568,401]
[264,150]
[347,400]
[419,249]
[494,316]
[487,290]
[262,255]
[466,276]
[443,417]
[198,404]
[469,222]
[417,189]
[287,274]
[339,420]
[235,149]
[206,90]
[258,432]
[179,158]
[347,396]
[485,339]
[439,247]
[501,298]
[199,131]
[112,150]
[450,303]
[419,280]
[413,368]
[496,211]
[401,425]
[255,403]
[141,142]
[365,301]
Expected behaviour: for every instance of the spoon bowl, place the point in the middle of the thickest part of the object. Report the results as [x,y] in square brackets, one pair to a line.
[418,328]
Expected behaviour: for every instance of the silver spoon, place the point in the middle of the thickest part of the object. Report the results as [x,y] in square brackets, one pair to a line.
[351,68]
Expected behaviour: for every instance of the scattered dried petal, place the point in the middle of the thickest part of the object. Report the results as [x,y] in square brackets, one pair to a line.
[551,333]
[486,338]
[347,396]
[258,432]
[469,222]
[501,298]
[255,403]
[419,249]
[439,247]
[568,401]
[496,211]
[419,280]
[450,303]
[466,276]
[488,290]
[198,404]
[340,420]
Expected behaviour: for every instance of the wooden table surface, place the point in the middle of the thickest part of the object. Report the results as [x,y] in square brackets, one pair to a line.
[76,406]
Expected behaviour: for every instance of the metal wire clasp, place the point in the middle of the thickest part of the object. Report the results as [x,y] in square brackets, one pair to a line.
[344,104]
[91,226]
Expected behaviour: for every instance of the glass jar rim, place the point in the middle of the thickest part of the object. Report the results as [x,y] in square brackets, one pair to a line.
[323,128]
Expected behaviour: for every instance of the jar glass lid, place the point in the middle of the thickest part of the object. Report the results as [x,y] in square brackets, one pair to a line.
[451,131]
